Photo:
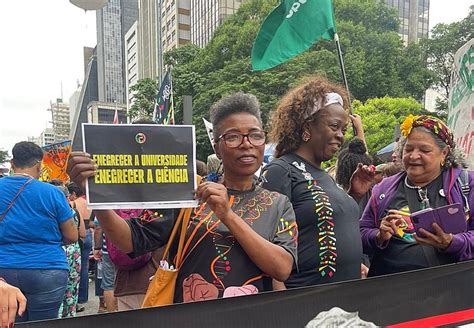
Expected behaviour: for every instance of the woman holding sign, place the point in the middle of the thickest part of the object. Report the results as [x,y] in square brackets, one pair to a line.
[433,178]
[240,237]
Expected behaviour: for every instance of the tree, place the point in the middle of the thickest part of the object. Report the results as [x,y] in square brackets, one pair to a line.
[377,63]
[144,98]
[439,51]
[4,156]
[380,116]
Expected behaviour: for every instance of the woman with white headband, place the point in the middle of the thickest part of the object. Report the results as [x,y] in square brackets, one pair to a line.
[308,127]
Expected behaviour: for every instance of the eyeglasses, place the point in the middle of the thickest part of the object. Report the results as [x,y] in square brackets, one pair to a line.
[235,139]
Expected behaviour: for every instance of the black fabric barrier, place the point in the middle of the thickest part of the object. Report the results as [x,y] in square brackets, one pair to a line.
[383,300]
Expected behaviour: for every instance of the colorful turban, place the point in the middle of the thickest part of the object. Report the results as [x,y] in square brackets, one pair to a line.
[433,124]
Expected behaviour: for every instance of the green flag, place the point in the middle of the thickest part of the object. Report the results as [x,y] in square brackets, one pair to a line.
[290,29]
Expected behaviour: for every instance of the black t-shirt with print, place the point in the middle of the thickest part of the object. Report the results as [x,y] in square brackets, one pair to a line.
[215,265]
[329,242]
[403,253]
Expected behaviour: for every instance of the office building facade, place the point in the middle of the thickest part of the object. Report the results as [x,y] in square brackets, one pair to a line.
[175,24]
[414,18]
[207,15]
[131,62]
[60,120]
[148,39]
[47,137]
[112,23]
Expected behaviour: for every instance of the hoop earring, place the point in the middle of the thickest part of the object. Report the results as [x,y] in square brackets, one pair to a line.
[442,162]
[306,136]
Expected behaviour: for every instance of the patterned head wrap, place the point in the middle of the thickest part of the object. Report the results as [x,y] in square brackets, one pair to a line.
[329,99]
[433,124]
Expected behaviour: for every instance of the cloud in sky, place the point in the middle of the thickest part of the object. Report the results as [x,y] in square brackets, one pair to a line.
[42,45]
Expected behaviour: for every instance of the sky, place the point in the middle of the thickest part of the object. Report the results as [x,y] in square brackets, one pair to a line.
[42,58]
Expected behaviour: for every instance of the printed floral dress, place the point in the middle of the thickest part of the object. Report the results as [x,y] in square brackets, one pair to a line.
[73,255]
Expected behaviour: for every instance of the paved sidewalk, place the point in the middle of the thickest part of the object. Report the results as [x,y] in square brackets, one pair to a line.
[93,304]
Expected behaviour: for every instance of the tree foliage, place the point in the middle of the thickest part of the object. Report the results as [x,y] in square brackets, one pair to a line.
[382,115]
[145,91]
[377,63]
[4,156]
[440,48]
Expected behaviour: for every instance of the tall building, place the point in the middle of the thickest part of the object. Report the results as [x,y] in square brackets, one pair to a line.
[36,140]
[89,93]
[131,62]
[129,19]
[103,113]
[112,22]
[60,119]
[148,39]
[207,15]
[175,23]
[73,103]
[414,18]
[47,137]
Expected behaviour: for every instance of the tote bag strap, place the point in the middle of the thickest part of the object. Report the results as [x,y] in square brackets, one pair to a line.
[2,216]
[184,228]
[173,234]
[183,221]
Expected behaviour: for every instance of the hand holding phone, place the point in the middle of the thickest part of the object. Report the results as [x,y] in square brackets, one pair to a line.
[450,218]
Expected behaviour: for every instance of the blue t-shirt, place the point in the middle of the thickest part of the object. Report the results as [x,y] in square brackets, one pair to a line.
[30,237]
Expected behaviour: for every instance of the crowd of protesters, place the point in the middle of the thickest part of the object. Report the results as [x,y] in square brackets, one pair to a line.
[294,224]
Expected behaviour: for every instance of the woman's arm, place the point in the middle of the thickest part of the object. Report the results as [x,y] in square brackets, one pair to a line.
[272,259]
[69,231]
[81,167]
[359,128]
[368,227]
[116,229]
[82,226]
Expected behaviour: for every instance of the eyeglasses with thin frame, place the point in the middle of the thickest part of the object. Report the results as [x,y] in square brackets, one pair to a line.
[235,139]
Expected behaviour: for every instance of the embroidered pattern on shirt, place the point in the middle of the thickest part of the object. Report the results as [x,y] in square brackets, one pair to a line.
[326,235]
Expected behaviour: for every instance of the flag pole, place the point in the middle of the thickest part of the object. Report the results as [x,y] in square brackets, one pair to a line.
[171,109]
[343,72]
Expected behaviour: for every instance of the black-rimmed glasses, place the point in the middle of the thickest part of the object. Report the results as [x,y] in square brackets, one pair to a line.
[235,139]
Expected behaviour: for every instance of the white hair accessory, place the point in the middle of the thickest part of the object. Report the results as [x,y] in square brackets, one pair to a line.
[329,98]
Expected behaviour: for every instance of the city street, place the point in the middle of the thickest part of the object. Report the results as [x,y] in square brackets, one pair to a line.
[93,304]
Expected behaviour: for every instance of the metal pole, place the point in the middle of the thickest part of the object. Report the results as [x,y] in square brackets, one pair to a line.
[343,72]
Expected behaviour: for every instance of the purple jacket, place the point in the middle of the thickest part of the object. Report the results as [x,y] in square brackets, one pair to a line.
[462,245]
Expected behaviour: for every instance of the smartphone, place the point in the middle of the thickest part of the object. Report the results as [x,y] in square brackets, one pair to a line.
[450,218]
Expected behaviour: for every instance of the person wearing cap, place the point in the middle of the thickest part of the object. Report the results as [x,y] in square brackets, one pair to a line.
[433,177]
[308,127]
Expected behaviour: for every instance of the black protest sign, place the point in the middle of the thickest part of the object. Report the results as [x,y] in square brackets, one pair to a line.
[141,166]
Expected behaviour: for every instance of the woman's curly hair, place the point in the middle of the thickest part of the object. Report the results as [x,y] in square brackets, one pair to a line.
[292,111]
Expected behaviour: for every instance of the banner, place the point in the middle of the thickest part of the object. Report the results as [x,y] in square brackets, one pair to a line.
[209,131]
[164,110]
[461,101]
[55,161]
[424,298]
[141,165]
